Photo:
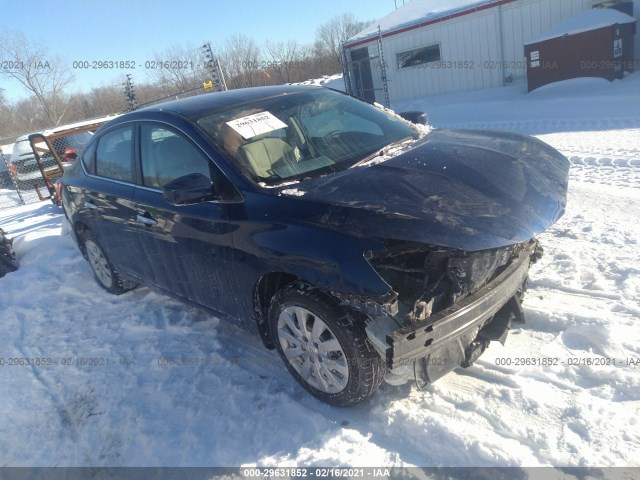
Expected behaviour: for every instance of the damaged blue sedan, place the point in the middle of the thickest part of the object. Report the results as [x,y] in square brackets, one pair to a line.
[362,246]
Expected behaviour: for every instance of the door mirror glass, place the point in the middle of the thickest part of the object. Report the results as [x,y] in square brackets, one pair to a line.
[190,189]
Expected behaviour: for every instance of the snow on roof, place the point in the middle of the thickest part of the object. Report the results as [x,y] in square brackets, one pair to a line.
[416,12]
[585,22]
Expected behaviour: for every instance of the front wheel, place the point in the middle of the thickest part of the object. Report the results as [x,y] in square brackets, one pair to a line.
[104,271]
[324,347]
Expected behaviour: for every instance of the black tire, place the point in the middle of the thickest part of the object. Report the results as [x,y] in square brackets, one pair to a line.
[104,272]
[8,261]
[365,367]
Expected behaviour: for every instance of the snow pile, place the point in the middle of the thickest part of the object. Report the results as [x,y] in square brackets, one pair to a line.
[584,22]
[143,380]
[330,81]
[387,153]
[581,104]
[292,192]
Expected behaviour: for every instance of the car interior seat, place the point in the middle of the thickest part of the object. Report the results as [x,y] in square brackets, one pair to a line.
[263,153]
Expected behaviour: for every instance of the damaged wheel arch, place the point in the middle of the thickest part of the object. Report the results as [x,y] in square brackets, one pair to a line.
[324,346]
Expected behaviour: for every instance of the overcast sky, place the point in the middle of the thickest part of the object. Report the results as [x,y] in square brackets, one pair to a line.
[116,30]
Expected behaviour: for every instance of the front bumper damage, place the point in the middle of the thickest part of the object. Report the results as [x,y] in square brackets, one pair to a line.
[457,335]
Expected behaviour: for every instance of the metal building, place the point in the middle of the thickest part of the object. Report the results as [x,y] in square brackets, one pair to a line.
[594,43]
[431,47]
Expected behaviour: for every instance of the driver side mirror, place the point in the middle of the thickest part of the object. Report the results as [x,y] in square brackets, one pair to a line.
[190,189]
[421,118]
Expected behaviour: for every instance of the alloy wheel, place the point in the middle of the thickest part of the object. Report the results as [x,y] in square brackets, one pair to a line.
[99,263]
[312,349]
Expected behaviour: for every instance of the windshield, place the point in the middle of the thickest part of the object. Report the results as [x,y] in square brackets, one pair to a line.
[303,134]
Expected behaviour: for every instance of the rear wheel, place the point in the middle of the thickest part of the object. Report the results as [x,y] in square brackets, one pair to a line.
[103,270]
[324,347]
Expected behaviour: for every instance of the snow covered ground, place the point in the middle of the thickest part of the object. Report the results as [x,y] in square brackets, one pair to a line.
[563,391]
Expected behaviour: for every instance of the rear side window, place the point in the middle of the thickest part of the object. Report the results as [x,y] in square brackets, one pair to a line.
[113,155]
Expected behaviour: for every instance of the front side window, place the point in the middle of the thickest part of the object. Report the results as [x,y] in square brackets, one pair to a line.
[302,134]
[419,56]
[167,155]
[113,155]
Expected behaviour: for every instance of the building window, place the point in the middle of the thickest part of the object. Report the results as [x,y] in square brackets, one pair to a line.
[419,56]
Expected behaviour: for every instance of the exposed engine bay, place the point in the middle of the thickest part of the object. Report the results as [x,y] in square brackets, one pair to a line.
[433,284]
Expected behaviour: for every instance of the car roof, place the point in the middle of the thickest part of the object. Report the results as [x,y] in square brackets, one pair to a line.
[194,107]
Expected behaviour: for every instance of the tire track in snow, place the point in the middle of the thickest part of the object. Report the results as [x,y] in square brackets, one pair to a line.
[595,158]
[73,412]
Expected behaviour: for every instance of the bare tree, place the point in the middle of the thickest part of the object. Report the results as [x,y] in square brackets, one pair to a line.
[240,61]
[100,101]
[28,116]
[6,114]
[331,35]
[179,68]
[45,77]
[284,58]
[105,100]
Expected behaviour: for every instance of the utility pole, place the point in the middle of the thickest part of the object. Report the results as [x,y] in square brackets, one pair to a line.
[215,70]
[130,93]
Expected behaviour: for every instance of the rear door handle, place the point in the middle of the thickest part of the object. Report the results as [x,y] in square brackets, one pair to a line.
[90,205]
[147,219]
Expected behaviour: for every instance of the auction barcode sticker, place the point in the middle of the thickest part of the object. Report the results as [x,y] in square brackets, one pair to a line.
[256,124]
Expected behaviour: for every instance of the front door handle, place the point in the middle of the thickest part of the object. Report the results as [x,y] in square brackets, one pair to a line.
[90,205]
[147,219]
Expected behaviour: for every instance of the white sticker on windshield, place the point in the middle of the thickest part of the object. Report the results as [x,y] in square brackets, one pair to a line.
[256,124]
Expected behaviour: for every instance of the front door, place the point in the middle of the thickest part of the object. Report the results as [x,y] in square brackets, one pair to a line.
[188,247]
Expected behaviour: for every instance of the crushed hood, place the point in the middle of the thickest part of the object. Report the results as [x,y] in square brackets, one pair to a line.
[463,189]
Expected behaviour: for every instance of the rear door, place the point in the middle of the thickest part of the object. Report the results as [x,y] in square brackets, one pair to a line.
[107,200]
[188,247]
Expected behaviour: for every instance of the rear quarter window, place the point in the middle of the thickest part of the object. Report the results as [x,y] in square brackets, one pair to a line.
[89,159]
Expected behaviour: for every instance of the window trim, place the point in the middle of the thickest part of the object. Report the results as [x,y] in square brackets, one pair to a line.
[137,160]
[420,65]
[89,151]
